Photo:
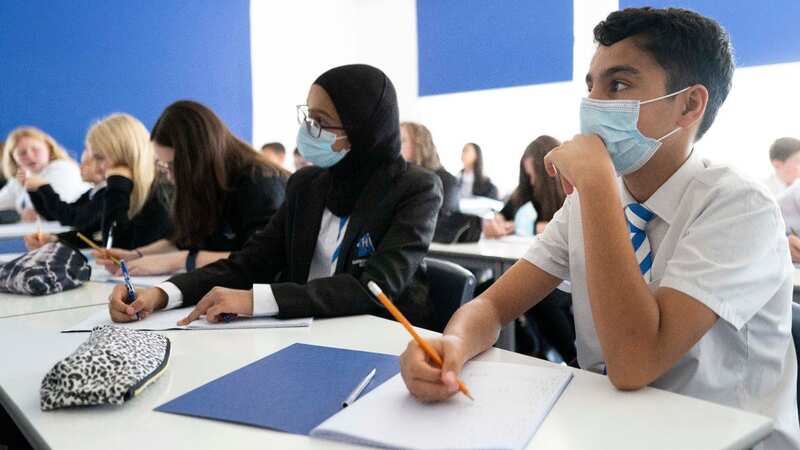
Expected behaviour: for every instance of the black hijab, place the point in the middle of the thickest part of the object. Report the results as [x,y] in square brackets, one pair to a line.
[366,102]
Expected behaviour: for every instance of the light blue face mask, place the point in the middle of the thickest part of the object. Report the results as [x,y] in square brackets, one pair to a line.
[319,151]
[615,121]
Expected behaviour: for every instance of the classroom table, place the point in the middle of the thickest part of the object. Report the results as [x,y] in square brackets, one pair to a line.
[591,414]
[90,294]
[495,254]
[21,229]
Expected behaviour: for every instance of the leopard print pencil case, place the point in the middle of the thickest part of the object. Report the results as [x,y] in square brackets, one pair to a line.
[113,365]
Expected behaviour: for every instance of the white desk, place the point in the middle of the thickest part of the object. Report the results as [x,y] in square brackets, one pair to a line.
[90,294]
[22,229]
[497,254]
[590,415]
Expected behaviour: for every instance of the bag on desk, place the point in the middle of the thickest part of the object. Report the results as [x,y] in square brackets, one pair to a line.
[113,365]
[52,268]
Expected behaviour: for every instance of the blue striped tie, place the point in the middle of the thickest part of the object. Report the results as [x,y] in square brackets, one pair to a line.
[637,217]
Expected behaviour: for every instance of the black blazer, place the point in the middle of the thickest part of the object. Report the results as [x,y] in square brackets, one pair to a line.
[85,212]
[150,224]
[248,207]
[397,211]
[481,188]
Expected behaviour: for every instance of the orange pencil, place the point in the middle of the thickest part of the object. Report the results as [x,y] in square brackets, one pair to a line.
[97,247]
[377,292]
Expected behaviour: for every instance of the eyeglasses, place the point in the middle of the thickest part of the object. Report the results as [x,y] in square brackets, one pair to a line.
[313,127]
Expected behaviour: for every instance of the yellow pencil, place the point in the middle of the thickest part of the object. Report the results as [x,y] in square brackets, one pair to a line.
[430,351]
[97,247]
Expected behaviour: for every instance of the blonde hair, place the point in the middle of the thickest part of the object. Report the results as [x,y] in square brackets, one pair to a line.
[425,153]
[10,166]
[124,141]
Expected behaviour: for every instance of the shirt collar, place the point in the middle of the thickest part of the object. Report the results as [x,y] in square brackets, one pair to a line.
[666,199]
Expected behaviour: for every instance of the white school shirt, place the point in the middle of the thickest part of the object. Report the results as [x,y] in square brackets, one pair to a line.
[789,202]
[718,238]
[467,179]
[775,185]
[323,264]
[64,177]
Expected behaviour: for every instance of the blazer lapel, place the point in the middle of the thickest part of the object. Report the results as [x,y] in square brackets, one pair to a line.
[373,192]
[305,229]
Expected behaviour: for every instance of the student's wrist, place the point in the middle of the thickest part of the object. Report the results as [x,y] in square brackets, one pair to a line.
[591,180]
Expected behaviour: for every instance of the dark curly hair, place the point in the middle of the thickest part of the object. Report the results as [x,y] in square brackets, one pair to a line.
[691,49]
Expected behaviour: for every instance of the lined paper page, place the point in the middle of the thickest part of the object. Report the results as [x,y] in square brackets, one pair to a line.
[511,401]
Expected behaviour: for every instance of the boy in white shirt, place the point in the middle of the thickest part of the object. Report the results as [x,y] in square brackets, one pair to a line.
[680,270]
[784,154]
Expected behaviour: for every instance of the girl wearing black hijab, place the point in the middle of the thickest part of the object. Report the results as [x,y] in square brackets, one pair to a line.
[361,213]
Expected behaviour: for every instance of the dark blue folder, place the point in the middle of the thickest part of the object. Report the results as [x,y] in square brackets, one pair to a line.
[292,390]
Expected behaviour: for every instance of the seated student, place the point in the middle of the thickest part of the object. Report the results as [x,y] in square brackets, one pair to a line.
[224,191]
[416,146]
[361,213]
[275,152]
[703,306]
[299,161]
[133,208]
[471,181]
[789,202]
[84,212]
[536,198]
[784,154]
[30,150]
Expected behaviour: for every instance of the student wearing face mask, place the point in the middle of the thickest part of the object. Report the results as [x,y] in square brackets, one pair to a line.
[680,269]
[30,151]
[361,213]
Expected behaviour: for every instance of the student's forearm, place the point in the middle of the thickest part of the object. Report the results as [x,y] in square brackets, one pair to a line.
[625,312]
[159,246]
[478,322]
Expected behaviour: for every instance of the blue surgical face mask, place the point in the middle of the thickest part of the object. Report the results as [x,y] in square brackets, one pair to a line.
[615,121]
[319,151]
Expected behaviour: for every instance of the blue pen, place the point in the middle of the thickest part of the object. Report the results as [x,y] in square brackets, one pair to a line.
[126,276]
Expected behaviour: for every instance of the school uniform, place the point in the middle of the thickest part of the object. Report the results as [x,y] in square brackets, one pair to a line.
[470,187]
[62,175]
[151,223]
[84,213]
[247,208]
[293,265]
[370,216]
[775,185]
[718,238]
[789,202]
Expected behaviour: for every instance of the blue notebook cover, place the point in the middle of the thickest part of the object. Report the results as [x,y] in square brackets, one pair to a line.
[292,390]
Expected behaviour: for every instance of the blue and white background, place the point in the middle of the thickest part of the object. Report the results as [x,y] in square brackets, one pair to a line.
[496,72]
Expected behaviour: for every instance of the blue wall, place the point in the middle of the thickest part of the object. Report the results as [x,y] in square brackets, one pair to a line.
[68,63]
[466,45]
[762,32]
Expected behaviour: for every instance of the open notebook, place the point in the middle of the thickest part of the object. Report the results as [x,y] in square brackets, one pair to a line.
[511,402]
[167,320]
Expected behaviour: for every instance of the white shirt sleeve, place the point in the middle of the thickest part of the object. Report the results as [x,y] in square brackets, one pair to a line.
[789,202]
[65,178]
[9,194]
[550,250]
[733,258]
[264,303]
[174,295]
